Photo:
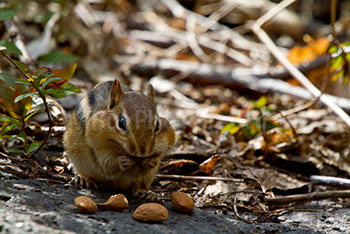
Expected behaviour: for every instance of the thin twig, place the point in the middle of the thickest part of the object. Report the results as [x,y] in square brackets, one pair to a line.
[262,35]
[17,173]
[236,211]
[213,19]
[290,124]
[182,177]
[272,12]
[179,11]
[307,197]
[225,118]
[295,109]
[192,40]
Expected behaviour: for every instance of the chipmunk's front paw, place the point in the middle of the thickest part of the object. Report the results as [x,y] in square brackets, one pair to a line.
[84,183]
[126,162]
[149,163]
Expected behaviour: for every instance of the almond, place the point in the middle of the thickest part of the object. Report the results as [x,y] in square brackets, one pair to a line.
[115,203]
[182,202]
[151,212]
[85,204]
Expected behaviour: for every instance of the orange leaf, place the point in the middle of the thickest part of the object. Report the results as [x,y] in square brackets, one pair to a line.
[313,49]
[65,73]
[207,165]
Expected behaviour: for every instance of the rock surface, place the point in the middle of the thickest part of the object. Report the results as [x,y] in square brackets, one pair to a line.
[33,206]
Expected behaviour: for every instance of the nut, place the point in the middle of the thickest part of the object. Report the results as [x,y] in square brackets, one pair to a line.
[115,203]
[85,204]
[182,202]
[151,212]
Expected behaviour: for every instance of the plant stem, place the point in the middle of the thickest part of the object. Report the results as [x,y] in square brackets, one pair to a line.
[14,64]
[333,16]
[23,128]
[50,122]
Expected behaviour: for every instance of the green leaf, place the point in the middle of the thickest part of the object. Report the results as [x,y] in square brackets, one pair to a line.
[35,109]
[6,128]
[56,93]
[42,17]
[70,89]
[338,75]
[270,125]
[15,150]
[48,81]
[9,79]
[58,57]
[65,73]
[231,127]
[10,119]
[23,96]
[9,12]
[21,136]
[23,67]
[251,129]
[4,137]
[23,81]
[7,94]
[261,102]
[336,62]
[334,49]
[11,48]
[42,74]
[21,107]
[34,146]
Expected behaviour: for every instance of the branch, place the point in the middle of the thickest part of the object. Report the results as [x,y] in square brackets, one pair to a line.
[262,35]
[330,180]
[181,177]
[307,197]
[207,74]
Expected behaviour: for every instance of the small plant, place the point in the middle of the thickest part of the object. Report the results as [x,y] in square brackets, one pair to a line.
[256,124]
[20,96]
[340,62]
[340,52]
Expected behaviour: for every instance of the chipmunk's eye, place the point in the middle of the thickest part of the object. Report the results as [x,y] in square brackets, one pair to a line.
[157,126]
[122,123]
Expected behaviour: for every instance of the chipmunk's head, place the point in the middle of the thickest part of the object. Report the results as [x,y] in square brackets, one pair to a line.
[134,118]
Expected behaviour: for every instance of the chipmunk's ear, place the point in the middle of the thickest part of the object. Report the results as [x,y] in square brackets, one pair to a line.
[150,92]
[115,94]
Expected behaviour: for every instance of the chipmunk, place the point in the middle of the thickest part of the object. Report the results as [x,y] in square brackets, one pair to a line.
[115,138]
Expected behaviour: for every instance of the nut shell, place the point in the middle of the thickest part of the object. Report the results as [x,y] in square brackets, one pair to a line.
[182,202]
[151,212]
[85,204]
[115,203]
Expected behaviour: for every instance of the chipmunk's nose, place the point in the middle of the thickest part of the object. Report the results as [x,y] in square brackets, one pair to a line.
[144,150]
[141,150]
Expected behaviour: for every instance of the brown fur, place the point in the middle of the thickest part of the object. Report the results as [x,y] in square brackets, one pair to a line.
[109,157]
